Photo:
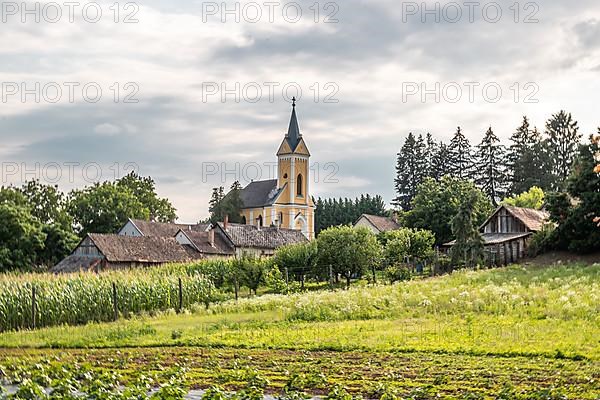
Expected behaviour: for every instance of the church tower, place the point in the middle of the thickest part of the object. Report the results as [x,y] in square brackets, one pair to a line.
[295,204]
[284,202]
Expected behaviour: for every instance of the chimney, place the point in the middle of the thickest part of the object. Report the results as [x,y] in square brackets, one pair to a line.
[225,221]
[211,237]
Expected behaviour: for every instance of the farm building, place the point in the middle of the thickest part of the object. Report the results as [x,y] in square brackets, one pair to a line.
[97,252]
[506,233]
[154,245]
[138,227]
[376,223]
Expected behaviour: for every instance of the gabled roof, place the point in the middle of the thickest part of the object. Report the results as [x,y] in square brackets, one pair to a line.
[201,242]
[383,224]
[260,193]
[249,236]
[162,229]
[143,249]
[497,238]
[533,219]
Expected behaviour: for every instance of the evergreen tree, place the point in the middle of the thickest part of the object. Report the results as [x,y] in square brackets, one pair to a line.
[562,145]
[215,206]
[468,248]
[529,164]
[409,173]
[460,156]
[490,169]
[439,161]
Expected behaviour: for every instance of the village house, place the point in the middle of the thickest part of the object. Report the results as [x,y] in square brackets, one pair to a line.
[376,223]
[507,231]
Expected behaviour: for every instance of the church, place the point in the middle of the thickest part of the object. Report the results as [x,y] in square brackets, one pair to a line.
[284,202]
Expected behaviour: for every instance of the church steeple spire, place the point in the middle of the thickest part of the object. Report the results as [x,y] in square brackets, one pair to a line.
[293,136]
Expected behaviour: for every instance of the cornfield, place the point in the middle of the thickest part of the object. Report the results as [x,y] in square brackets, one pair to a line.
[88,297]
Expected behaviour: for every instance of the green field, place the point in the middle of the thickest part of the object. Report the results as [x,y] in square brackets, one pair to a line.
[531,333]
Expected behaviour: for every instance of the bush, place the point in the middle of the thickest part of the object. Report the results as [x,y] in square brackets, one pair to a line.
[540,241]
[397,273]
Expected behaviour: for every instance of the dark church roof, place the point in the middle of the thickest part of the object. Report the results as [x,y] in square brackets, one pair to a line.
[260,193]
[293,136]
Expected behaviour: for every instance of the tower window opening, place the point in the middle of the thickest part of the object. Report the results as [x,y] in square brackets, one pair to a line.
[299,186]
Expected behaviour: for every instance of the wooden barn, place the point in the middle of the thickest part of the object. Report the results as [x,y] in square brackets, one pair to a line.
[507,231]
[98,252]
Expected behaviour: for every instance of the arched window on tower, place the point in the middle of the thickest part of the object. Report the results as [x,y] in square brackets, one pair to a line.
[299,186]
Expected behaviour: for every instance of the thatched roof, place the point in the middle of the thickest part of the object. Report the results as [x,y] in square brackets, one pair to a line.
[250,236]
[383,224]
[141,249]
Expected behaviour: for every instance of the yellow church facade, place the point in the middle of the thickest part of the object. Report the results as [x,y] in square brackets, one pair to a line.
[284,202]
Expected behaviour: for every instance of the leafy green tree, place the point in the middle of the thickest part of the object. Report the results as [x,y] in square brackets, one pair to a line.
[574,211]
[349,252]
[297,259]
[491,171]
[144,189]
[252,271]
[104,208]
[468,247]
[406,243]
[436,203]
[533,198]
[563,141]
[59,243]
[460,156]
[21,237]
[231,204]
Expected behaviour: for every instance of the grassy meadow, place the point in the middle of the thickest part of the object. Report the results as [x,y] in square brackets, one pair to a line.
[484,334]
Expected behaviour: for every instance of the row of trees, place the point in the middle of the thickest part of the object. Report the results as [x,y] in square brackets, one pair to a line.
[334,212]
[531,159]
[229,204]
[347,252]
[41,224]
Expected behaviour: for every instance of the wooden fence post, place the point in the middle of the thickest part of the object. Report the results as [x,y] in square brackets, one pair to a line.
[115,307]
[33,307]
[180,295]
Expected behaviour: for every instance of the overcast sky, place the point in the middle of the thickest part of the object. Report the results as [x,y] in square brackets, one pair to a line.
[361,65]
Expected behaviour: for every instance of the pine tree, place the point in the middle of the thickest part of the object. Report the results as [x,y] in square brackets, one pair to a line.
[563,141]
[468,249]
[408,175]
[491,173]
[439,161]
[460,156]
[215,206]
